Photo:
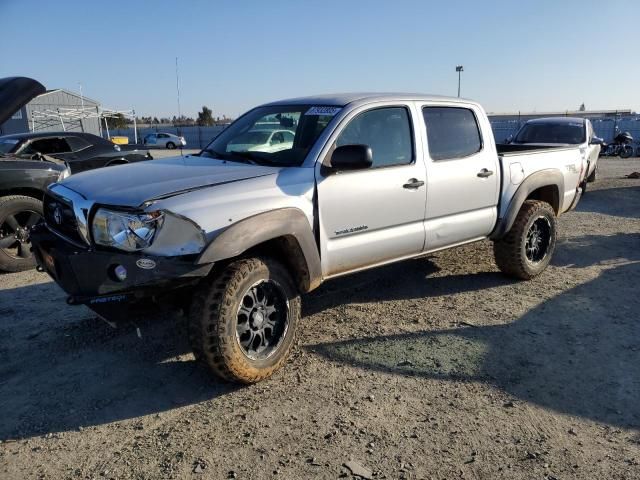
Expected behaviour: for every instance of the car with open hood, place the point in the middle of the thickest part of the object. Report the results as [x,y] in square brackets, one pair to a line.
[22,182]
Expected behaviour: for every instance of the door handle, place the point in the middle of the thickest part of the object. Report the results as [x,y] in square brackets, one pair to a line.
[413,183]
[484,173]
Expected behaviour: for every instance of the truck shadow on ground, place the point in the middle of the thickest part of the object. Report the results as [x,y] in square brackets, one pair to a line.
[71,373]
[398,281]
[577,353]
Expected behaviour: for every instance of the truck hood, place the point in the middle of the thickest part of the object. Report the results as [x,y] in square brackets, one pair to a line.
[133,184]
[15,92]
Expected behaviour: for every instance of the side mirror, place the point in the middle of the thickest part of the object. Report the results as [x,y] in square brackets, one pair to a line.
[509,139]
[596,141]
[351,157]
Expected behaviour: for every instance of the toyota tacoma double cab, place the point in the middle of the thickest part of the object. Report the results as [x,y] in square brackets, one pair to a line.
[237,235]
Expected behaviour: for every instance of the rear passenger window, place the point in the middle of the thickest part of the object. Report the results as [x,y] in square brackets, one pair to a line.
[77,143]
[451,132]
[386,130]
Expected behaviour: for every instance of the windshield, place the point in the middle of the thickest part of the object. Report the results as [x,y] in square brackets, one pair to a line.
[571,133]
[277,135]
[7,145]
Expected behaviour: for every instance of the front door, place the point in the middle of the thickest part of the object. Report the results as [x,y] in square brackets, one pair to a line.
[374,215]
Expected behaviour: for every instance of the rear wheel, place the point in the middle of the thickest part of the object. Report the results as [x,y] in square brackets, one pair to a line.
[17,215]
[243,321]
[626,151]
[171,145]
[526,250]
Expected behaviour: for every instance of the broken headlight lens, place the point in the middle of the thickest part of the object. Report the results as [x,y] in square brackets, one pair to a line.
[126,231]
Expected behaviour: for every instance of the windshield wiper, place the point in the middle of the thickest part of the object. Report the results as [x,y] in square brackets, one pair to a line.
[233,156]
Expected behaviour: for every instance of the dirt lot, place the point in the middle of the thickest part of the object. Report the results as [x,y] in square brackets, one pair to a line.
[434,368]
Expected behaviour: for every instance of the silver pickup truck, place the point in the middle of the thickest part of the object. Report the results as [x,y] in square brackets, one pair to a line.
[236,233]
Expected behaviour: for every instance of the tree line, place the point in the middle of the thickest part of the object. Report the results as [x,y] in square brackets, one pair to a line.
[205,118]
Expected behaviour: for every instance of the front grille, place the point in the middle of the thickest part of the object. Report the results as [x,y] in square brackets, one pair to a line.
[60,217]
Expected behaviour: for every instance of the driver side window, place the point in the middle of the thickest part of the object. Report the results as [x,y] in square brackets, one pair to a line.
[386,130]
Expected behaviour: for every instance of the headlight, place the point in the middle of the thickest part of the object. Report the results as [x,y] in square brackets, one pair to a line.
[126,231]
[64,174]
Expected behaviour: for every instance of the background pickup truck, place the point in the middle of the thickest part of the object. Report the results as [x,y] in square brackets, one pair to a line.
[557,131]
[237,235]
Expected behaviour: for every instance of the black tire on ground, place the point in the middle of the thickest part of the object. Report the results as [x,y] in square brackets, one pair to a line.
[525,251]
[594,175]
[626,151]
[171,145]
[243,320]
[17,214]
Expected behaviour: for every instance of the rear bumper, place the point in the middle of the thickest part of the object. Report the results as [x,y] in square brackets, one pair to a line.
[88,275]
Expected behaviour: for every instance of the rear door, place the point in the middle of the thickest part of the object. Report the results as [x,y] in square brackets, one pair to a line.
[463,176]
[375,215]
[162,139]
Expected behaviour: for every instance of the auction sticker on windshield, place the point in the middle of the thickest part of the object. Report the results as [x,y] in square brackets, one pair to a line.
[330,111]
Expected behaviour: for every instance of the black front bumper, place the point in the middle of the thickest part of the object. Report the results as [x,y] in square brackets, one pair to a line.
[88,275]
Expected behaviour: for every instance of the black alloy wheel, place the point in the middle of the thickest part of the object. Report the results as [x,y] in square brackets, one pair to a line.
[17,215]
[263,319]
[538,240]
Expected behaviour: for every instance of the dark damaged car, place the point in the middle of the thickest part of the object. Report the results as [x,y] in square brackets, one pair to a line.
[81,151]
[22,182]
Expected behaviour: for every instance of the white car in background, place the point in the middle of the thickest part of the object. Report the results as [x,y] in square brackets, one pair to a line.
[262,141]
[556,131]
[165,140]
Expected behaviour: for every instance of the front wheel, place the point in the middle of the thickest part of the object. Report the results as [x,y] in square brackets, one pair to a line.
[243,320]
[526,250]
[17,215]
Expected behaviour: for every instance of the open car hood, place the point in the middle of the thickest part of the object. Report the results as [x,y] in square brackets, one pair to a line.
[15,92]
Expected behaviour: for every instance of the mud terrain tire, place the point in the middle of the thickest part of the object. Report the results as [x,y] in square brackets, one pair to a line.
[526,250]
[236,311]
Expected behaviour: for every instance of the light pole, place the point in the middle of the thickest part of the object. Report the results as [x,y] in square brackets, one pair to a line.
[459,69]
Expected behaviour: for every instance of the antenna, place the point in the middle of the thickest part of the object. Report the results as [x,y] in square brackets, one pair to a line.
[179,111]
[82,105]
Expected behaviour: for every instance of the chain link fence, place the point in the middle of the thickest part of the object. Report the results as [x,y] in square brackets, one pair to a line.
[199,137]
[196,137]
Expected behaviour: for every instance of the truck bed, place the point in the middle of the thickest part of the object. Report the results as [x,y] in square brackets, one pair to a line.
[518,162]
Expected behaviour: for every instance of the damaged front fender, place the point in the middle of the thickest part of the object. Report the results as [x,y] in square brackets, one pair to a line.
[177,236]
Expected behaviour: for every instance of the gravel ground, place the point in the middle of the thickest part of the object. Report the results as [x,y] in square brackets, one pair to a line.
[433,368]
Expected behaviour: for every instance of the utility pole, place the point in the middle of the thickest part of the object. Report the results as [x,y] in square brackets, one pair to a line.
[459,69]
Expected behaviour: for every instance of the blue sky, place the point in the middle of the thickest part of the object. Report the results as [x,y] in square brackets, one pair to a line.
[537,55]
